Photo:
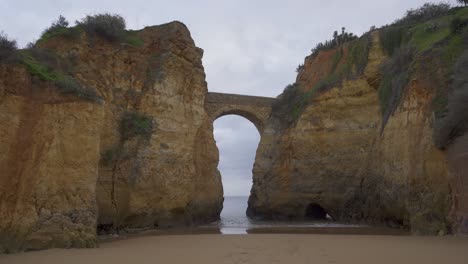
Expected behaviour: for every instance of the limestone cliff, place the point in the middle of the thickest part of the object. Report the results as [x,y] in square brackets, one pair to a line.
[342,155]
[141,155]
[49,157]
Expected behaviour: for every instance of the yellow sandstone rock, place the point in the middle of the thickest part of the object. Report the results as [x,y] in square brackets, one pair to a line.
[57,181]
[336,156]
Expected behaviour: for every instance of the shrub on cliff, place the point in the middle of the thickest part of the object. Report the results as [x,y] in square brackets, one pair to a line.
[392,38]
[109,26]
[395,77]
[68,85]
[359,54]
[290,104]
[114,154]
[337,40]
[7,46]
[135,124]
[427,12]
[457,25]
[299,68]
[455,124]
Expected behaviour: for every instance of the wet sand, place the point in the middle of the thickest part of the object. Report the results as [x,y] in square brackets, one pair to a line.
[259,249]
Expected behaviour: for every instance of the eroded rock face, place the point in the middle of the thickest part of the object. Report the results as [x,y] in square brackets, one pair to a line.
[65,166]
[458,162]
[49,157]
[337,156]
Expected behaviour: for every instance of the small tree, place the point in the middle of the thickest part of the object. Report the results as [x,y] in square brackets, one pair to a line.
[60,23]
[464,2]
[299,68]
[7,47]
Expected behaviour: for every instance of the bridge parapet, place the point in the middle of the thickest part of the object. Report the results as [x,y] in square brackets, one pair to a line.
[239,99]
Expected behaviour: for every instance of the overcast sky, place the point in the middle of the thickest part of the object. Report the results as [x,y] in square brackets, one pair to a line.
[251,46]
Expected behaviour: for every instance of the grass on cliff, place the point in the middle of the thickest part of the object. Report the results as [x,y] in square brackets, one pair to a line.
[49,67]
[132,38]
[422,28]
[426,35]
[70,33]
[111,27]
[437,34]
[61,28]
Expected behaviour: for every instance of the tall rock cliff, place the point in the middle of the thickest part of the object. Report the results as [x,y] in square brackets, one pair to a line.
[354,135]
[133,148]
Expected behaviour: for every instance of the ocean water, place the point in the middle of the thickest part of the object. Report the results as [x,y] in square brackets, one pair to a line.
[233,217]
[234,220]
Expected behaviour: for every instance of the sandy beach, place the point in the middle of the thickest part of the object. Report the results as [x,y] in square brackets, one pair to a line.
[259,249]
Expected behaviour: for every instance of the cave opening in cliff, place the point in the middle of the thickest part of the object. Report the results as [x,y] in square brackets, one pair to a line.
[237,139]
[315,212]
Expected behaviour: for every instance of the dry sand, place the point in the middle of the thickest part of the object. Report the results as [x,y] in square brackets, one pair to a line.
[260,248]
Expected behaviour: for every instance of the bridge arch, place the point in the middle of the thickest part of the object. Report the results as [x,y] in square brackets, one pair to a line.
[254,108]
[257,121]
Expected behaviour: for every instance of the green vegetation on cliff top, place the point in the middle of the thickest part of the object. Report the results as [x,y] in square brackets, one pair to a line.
[438,35]
[348,61]
[430,38]
[48,66]
[110,27]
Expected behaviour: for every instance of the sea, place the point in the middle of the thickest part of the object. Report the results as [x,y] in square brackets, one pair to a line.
[234,220]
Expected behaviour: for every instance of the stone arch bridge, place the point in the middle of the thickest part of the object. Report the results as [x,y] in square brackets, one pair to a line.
[255,108]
